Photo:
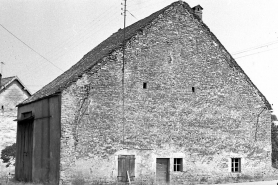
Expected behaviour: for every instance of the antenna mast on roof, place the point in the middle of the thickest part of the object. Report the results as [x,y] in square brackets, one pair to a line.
[123,72]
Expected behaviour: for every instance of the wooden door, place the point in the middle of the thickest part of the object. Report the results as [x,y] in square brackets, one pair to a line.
[162,171]
[126,168]
[28,149]
[25,150]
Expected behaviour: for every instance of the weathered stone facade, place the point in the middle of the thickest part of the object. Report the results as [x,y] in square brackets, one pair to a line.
[198,106]
[10,96]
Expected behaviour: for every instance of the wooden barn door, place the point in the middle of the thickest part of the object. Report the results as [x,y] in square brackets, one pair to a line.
[25,149]
[126,168]
[162,171]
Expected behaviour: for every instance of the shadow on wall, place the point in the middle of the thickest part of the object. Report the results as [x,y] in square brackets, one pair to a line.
[274,141]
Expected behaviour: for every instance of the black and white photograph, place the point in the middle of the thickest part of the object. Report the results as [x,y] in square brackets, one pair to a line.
[138,92]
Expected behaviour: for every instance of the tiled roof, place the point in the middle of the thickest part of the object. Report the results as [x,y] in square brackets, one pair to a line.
[8,80]
[93,57]
[109,45]
[5,81]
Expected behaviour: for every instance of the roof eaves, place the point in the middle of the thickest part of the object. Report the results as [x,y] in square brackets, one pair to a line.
[25,88]
[45,97]
[115,45]
[19,81]
[118,43]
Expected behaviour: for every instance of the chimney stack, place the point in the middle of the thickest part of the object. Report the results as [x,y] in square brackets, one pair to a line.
[198,11]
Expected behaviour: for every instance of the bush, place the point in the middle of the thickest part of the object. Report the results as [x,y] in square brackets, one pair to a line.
[8,155]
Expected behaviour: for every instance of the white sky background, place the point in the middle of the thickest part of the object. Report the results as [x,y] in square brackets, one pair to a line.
[63,31]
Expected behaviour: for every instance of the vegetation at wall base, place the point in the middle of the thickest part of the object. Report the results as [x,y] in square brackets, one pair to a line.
[8,154]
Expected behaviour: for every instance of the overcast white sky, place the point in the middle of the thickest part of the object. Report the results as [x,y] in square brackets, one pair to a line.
[63,31]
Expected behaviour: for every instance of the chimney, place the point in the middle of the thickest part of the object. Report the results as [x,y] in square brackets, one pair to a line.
[198,11]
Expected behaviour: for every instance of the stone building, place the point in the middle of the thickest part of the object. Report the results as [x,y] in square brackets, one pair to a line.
[185,112]
[12,92]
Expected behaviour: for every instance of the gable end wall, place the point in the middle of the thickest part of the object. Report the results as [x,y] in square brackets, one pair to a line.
[223,118]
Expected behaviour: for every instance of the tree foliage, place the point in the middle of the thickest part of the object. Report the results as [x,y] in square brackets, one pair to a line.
[8,154]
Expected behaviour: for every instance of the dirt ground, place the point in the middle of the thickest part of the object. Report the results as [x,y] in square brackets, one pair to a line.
[273,182]
[4,181]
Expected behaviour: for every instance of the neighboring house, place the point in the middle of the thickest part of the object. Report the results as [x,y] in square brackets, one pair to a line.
[191,114]
[274,140]
[12,92]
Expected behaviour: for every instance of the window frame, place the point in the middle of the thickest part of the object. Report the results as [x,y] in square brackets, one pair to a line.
[234,168]
[178,162]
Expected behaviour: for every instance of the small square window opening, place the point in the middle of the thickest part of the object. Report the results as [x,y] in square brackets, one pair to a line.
[193,89]
[236,165]
[26,114]
[177,164]
[145,85]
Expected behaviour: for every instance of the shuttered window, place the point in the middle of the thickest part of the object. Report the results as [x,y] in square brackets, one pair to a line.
[126,166]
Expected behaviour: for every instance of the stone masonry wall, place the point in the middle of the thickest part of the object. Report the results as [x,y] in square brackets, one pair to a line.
[9,98]
[223,118]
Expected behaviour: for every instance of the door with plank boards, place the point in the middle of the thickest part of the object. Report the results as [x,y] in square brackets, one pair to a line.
[25,149]
[162,171]
[126,168]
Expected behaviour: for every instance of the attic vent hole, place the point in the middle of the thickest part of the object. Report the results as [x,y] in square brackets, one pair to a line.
[144,85]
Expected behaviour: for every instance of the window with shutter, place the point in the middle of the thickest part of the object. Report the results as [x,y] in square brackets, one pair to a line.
[126,166]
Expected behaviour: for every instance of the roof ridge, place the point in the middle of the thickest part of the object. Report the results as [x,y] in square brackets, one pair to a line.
[115,41]
[8,80]
[9,77]
[103,49]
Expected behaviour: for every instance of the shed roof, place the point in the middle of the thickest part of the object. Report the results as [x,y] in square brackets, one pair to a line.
[112,43]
